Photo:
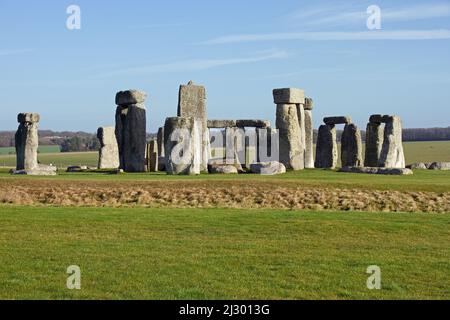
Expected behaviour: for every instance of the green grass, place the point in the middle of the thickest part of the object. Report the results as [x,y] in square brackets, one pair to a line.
[42,149]
[221,254]
[61,160]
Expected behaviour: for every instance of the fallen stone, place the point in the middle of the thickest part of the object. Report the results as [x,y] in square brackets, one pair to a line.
[40,170]
[418,166]
[384,171]
[268,168]
[129,97]
[222,169]
[337,120]
[73,169]
[253,123]
[440,166]
[289,96]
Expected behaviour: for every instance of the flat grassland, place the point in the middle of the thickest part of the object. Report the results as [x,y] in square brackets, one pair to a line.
[303,235]
[144,253]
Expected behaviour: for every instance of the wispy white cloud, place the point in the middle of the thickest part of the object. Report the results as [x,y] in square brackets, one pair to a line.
[198,64]
[331,16]
[14,52]
[335,36]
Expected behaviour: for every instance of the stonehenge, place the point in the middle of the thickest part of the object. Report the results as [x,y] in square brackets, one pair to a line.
[183,145]
[268,168]
[384,148]
[290,123]
[371,170]
[152,156]
[161,151]
[326,149]
[27,143]
[192,103]
[351,151]
[131,131]
[309,134]
[109,150]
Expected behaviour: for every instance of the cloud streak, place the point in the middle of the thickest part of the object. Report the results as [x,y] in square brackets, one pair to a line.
[335,36]
[14,52]
[197,64]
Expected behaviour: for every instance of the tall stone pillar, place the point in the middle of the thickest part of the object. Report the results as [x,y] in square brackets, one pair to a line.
[131,130]
[351,147]
[326,150]
[182,136]
[109,151]
[309,134]
[267,144]
[374,141]
[192,103]
[161,151]
[152,156]
[392,155]
[27,141]
[292,150]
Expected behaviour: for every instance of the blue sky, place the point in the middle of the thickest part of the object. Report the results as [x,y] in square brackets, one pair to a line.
[240,50]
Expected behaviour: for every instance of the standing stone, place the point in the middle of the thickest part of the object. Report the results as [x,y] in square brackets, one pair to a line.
[267,144]
[182,136]
[327,152]
[131,130]
[374,143]
[392,155]
[109,151]
[309,134]
[152,156]
[351,147]
[192,103]
[235,146]
[302,124]
[161,151]
[291,153]
[27,141]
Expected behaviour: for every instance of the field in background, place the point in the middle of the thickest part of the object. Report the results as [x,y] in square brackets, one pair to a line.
[140,253]
[42,149]
[414,152]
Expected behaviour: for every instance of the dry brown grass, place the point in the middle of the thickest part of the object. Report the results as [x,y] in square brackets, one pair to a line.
[217,194]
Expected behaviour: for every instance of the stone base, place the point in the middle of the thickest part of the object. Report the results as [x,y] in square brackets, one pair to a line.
[222,169]
[39,171]
[371,170]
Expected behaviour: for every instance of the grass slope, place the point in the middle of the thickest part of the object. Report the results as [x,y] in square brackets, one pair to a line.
[221,254]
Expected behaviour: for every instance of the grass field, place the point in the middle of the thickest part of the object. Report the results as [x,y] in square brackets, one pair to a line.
[42,149]
[221,254]
[414,152]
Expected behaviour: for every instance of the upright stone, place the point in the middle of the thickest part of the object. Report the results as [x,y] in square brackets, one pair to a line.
[291,153]
[267,140]
[392,155]
[309,134]
[109,151]
[27,141]
[326,152]
[131,130]
[192,103]
[351,147]
[161,151]
[374,143]
[152,156]
[182,138]
[235,147]
[302,125]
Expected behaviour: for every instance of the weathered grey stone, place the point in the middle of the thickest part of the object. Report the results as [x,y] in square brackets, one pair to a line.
[309,139]
[289,96]
[291,153]
[253,123]
[376,119]
[302,125]
[129,97]
[268,168]
[440,166]
[131,137]
[337,120]
[160,141]
[351,147]
[27,141]
[418,166]
[385,171]
[374,144]
[152,156]
[235,147]
[182,136]
[218,124]
[192,103]
[309,104]
[162,163]
[109,150]
[40,170]
[267,139]
[73,169]
[222,169]
[326,151]
[392,155]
